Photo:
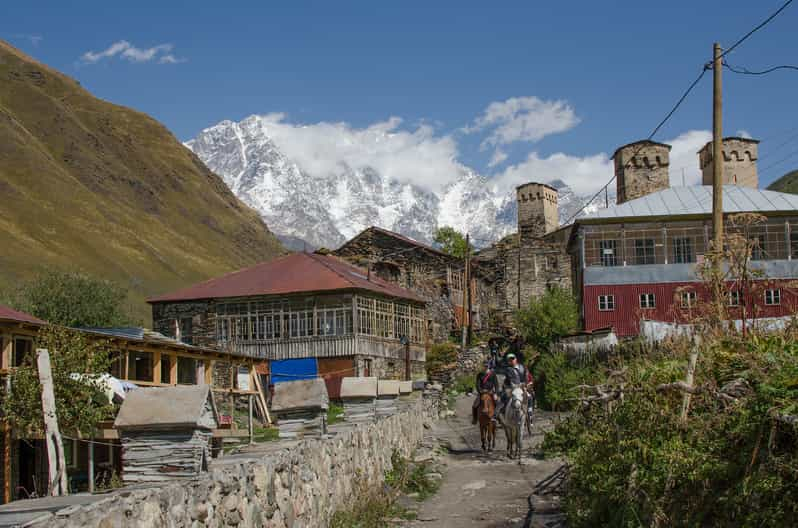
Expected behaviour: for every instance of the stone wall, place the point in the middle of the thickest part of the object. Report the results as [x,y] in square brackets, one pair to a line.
[641,168]
[298,486]
[739,162]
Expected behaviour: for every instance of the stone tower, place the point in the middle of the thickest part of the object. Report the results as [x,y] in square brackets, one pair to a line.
[739,162]
[537,209]
[641,168]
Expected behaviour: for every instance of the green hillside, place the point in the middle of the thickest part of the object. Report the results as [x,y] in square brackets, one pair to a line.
[92,186]
[787,183]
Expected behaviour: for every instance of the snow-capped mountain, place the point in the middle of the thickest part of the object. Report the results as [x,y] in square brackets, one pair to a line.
[328,209]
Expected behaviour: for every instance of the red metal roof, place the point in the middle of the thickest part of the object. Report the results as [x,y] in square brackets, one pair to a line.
[294,273]
[8,314]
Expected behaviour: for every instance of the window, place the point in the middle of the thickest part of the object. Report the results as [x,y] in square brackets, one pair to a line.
[793,243]
[551,263]
[772,297]
[683,250]
[689,299]
[647,300]
[117,365]
[758,251]
[22,351]
[644,251]
[186,371]
[166,368]
[734,298]
[607,248]
[606,303]
[140,365]
[186,329]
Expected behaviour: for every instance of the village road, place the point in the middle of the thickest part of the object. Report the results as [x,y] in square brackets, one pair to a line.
[487,490]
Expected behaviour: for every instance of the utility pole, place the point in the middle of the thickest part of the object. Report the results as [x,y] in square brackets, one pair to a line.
[468,288]
[464,311]
[717,154]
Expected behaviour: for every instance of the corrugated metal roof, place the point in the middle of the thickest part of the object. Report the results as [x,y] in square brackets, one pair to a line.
[134,333]
[697,200]
[294,273]
[9,314]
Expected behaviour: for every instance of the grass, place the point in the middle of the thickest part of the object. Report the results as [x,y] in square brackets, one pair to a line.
[335,414]
[372,510]
[95,187]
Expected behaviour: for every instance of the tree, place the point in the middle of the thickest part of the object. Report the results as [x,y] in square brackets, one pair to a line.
[76,361]
[451,241]
[73,299]
[553,315]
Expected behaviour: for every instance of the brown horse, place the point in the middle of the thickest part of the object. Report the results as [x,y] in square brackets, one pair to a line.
[487,428]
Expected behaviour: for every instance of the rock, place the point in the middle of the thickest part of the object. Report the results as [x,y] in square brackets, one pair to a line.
[475,485]
[435,476]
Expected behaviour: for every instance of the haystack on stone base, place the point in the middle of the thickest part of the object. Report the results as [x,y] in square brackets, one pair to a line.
[301,407]
[165,433]
[358,396]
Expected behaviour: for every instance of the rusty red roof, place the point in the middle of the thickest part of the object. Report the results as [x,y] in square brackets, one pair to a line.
[8,314]
[294,273]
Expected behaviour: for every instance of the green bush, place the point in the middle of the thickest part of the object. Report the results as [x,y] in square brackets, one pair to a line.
[728,464]
[556,380]
[335,414]
[548,317]
[441,354]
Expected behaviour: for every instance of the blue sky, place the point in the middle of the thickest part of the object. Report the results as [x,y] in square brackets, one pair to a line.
[585,76]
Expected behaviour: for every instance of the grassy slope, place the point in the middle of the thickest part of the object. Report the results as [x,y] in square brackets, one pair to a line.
[97,187]
[787,183]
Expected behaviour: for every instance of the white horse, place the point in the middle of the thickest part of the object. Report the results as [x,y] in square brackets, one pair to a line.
[513,421]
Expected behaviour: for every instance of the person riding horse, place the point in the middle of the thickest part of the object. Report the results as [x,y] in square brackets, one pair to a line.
[486,382]
[515,375]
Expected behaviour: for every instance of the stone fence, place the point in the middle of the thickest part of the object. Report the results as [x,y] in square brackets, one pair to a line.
[301,485]
[468,362]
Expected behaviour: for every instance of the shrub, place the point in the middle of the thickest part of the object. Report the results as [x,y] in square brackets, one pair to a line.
[441,354]
[556,380]
[548,317]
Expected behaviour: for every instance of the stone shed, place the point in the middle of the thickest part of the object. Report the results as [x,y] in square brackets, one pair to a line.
[301,407]
[165,433]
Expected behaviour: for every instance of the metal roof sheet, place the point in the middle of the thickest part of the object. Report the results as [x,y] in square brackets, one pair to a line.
[294,273]
[10,314]
[697,200]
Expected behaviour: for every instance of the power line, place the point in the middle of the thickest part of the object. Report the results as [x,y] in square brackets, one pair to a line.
[651,135]
[757,28]
[746,71]
[779,162]
[706,67]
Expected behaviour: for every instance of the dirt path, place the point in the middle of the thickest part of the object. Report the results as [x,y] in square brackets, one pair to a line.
[486,490]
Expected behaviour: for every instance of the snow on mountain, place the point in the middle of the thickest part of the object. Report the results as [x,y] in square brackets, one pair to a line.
[328,209]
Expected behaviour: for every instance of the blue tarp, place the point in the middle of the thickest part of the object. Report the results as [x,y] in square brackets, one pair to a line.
[293,370]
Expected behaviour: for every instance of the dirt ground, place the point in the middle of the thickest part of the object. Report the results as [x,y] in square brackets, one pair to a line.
[487,490]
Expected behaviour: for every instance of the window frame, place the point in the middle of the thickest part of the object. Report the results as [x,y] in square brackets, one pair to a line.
[642,247]
[608,301]
[691,297]
[650,301]
[734,298]
[775,297]
[612,258]
[683,250]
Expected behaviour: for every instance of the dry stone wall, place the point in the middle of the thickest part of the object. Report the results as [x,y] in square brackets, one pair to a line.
[298,486]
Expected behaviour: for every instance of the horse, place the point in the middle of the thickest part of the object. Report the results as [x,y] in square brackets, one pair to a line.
[513,422]
[487,428]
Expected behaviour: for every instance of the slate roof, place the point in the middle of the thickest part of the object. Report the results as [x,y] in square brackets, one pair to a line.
[697,200]
[9,314]
[398,236]
[165,408]
[300,394]
[294,273]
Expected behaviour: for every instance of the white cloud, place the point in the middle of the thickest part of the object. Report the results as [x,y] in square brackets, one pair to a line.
[523,119]
[744,134]
[408,155]
[499,157]
[588,174]
[131,53]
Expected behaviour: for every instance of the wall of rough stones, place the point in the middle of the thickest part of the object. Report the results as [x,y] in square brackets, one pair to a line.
[299,486]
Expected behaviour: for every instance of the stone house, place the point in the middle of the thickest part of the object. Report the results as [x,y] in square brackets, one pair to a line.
[523,265]
[436,276]
[304,306]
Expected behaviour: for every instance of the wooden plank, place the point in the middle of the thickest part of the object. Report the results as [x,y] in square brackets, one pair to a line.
[55,447]
[261,400]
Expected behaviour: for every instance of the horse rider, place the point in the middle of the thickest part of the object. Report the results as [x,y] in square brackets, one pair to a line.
[515,375]
[486,382]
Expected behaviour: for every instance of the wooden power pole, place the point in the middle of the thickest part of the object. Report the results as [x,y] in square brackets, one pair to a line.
[464,311]
[717,153]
